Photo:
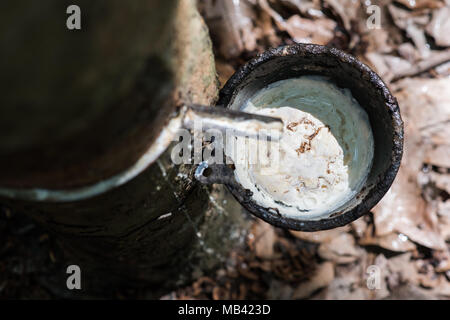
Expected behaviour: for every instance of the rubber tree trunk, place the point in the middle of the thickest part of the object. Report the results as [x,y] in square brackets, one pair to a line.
[84,106]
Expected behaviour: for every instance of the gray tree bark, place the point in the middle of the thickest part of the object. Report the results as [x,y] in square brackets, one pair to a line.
[94,103]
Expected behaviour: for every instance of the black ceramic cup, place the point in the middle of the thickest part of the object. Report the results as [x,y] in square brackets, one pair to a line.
[366,87]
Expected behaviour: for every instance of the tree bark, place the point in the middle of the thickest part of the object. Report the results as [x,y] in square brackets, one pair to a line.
[160,228]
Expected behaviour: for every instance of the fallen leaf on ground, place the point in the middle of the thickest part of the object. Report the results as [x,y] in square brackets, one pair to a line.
[404,268]
[320,236]
[378,41]
[319,31]
[322,278]
[359,227]
[421,4]
[423,102]
[377,62]
[231,23]
[309,8]
[392,241]
[347,10]
[340,249]
[412,25]
[439,156]
[408,52]
[441,181]
[263,239]
[439,27]
[403,210]
[396,64]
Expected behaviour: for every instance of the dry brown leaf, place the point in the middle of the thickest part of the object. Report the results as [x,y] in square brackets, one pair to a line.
[392,68]
[392,241]
[263,239]
[444,261]
[378,41]
[408,52]
[279,21]
[439,27]
[442,289]
[322,278]
[359,227]
[320,236]
[412,24]
[428,279]
[377,62]
[441,181]
[388,66]
[344,289]
[439,156]
[319,31]
[309,8]
[443,69]
[445,229]
[444,209]
[417,35]
[402,209]
[404,268]
[381,292]
[396,64]
[341,249]
[231,23]
[347,10]
[421,4]
[350,282]
[426,106]
[267,29]
[400,16]
[396,242]
[410,292]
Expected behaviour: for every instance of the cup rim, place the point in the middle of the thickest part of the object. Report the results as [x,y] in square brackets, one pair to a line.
[384,179]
